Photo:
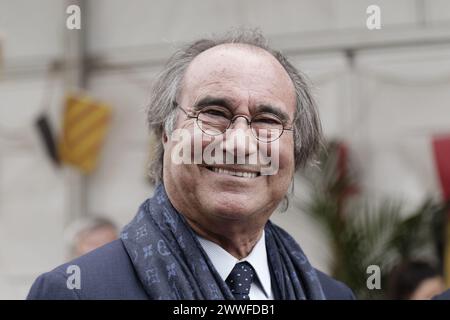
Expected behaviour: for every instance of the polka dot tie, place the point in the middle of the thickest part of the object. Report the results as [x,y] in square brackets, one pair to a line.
[240,279]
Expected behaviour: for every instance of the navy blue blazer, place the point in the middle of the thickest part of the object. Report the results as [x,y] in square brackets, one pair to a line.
[107,273]
[443,296]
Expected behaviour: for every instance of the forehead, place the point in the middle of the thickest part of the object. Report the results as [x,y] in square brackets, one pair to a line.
[245,74]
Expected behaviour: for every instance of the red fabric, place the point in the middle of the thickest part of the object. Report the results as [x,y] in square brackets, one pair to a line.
[441,146]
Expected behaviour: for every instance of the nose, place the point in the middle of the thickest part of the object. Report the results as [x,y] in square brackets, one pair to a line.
[239,141]
[244,124]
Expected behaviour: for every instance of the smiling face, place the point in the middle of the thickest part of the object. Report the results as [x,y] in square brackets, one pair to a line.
[232,197]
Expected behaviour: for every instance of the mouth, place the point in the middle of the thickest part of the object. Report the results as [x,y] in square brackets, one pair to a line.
[240,173]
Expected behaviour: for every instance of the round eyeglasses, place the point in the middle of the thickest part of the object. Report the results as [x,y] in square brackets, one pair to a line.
[215,120]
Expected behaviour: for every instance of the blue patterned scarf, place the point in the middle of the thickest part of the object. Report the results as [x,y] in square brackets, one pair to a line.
[171,263]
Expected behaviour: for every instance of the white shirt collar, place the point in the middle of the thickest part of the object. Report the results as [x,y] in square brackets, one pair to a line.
[225,262]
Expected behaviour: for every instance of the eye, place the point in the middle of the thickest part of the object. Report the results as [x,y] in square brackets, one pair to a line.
[216,112]
[267,119]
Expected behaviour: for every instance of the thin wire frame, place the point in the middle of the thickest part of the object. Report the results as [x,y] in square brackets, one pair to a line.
[230,122]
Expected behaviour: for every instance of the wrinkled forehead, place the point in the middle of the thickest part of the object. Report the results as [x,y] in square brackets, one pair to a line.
[240,72]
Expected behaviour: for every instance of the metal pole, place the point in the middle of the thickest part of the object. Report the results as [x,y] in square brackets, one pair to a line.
[74,73]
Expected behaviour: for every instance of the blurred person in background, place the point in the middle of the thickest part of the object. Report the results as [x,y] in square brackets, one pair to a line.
[87,234]
[415,280]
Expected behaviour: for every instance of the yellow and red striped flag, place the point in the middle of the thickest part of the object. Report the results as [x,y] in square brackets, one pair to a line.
[85,125]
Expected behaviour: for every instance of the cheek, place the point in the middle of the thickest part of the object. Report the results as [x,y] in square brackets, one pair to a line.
[182,154]
[286,150]
[188,146]
[281,155]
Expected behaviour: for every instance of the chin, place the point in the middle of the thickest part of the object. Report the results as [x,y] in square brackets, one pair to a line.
[234,207]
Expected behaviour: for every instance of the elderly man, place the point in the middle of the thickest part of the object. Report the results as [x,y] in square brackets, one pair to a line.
[234,120]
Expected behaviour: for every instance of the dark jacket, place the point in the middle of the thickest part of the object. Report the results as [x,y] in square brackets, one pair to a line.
[443,296]
[107,273]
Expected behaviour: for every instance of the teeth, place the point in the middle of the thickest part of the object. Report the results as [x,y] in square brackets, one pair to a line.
[235,173]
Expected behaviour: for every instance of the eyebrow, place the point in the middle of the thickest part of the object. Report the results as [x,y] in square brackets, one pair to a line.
[210,100]
[229,104]
[273,109]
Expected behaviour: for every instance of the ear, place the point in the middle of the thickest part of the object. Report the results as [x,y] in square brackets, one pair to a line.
[164,138]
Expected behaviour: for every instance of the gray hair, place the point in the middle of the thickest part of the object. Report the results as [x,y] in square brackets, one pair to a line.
[162,113]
